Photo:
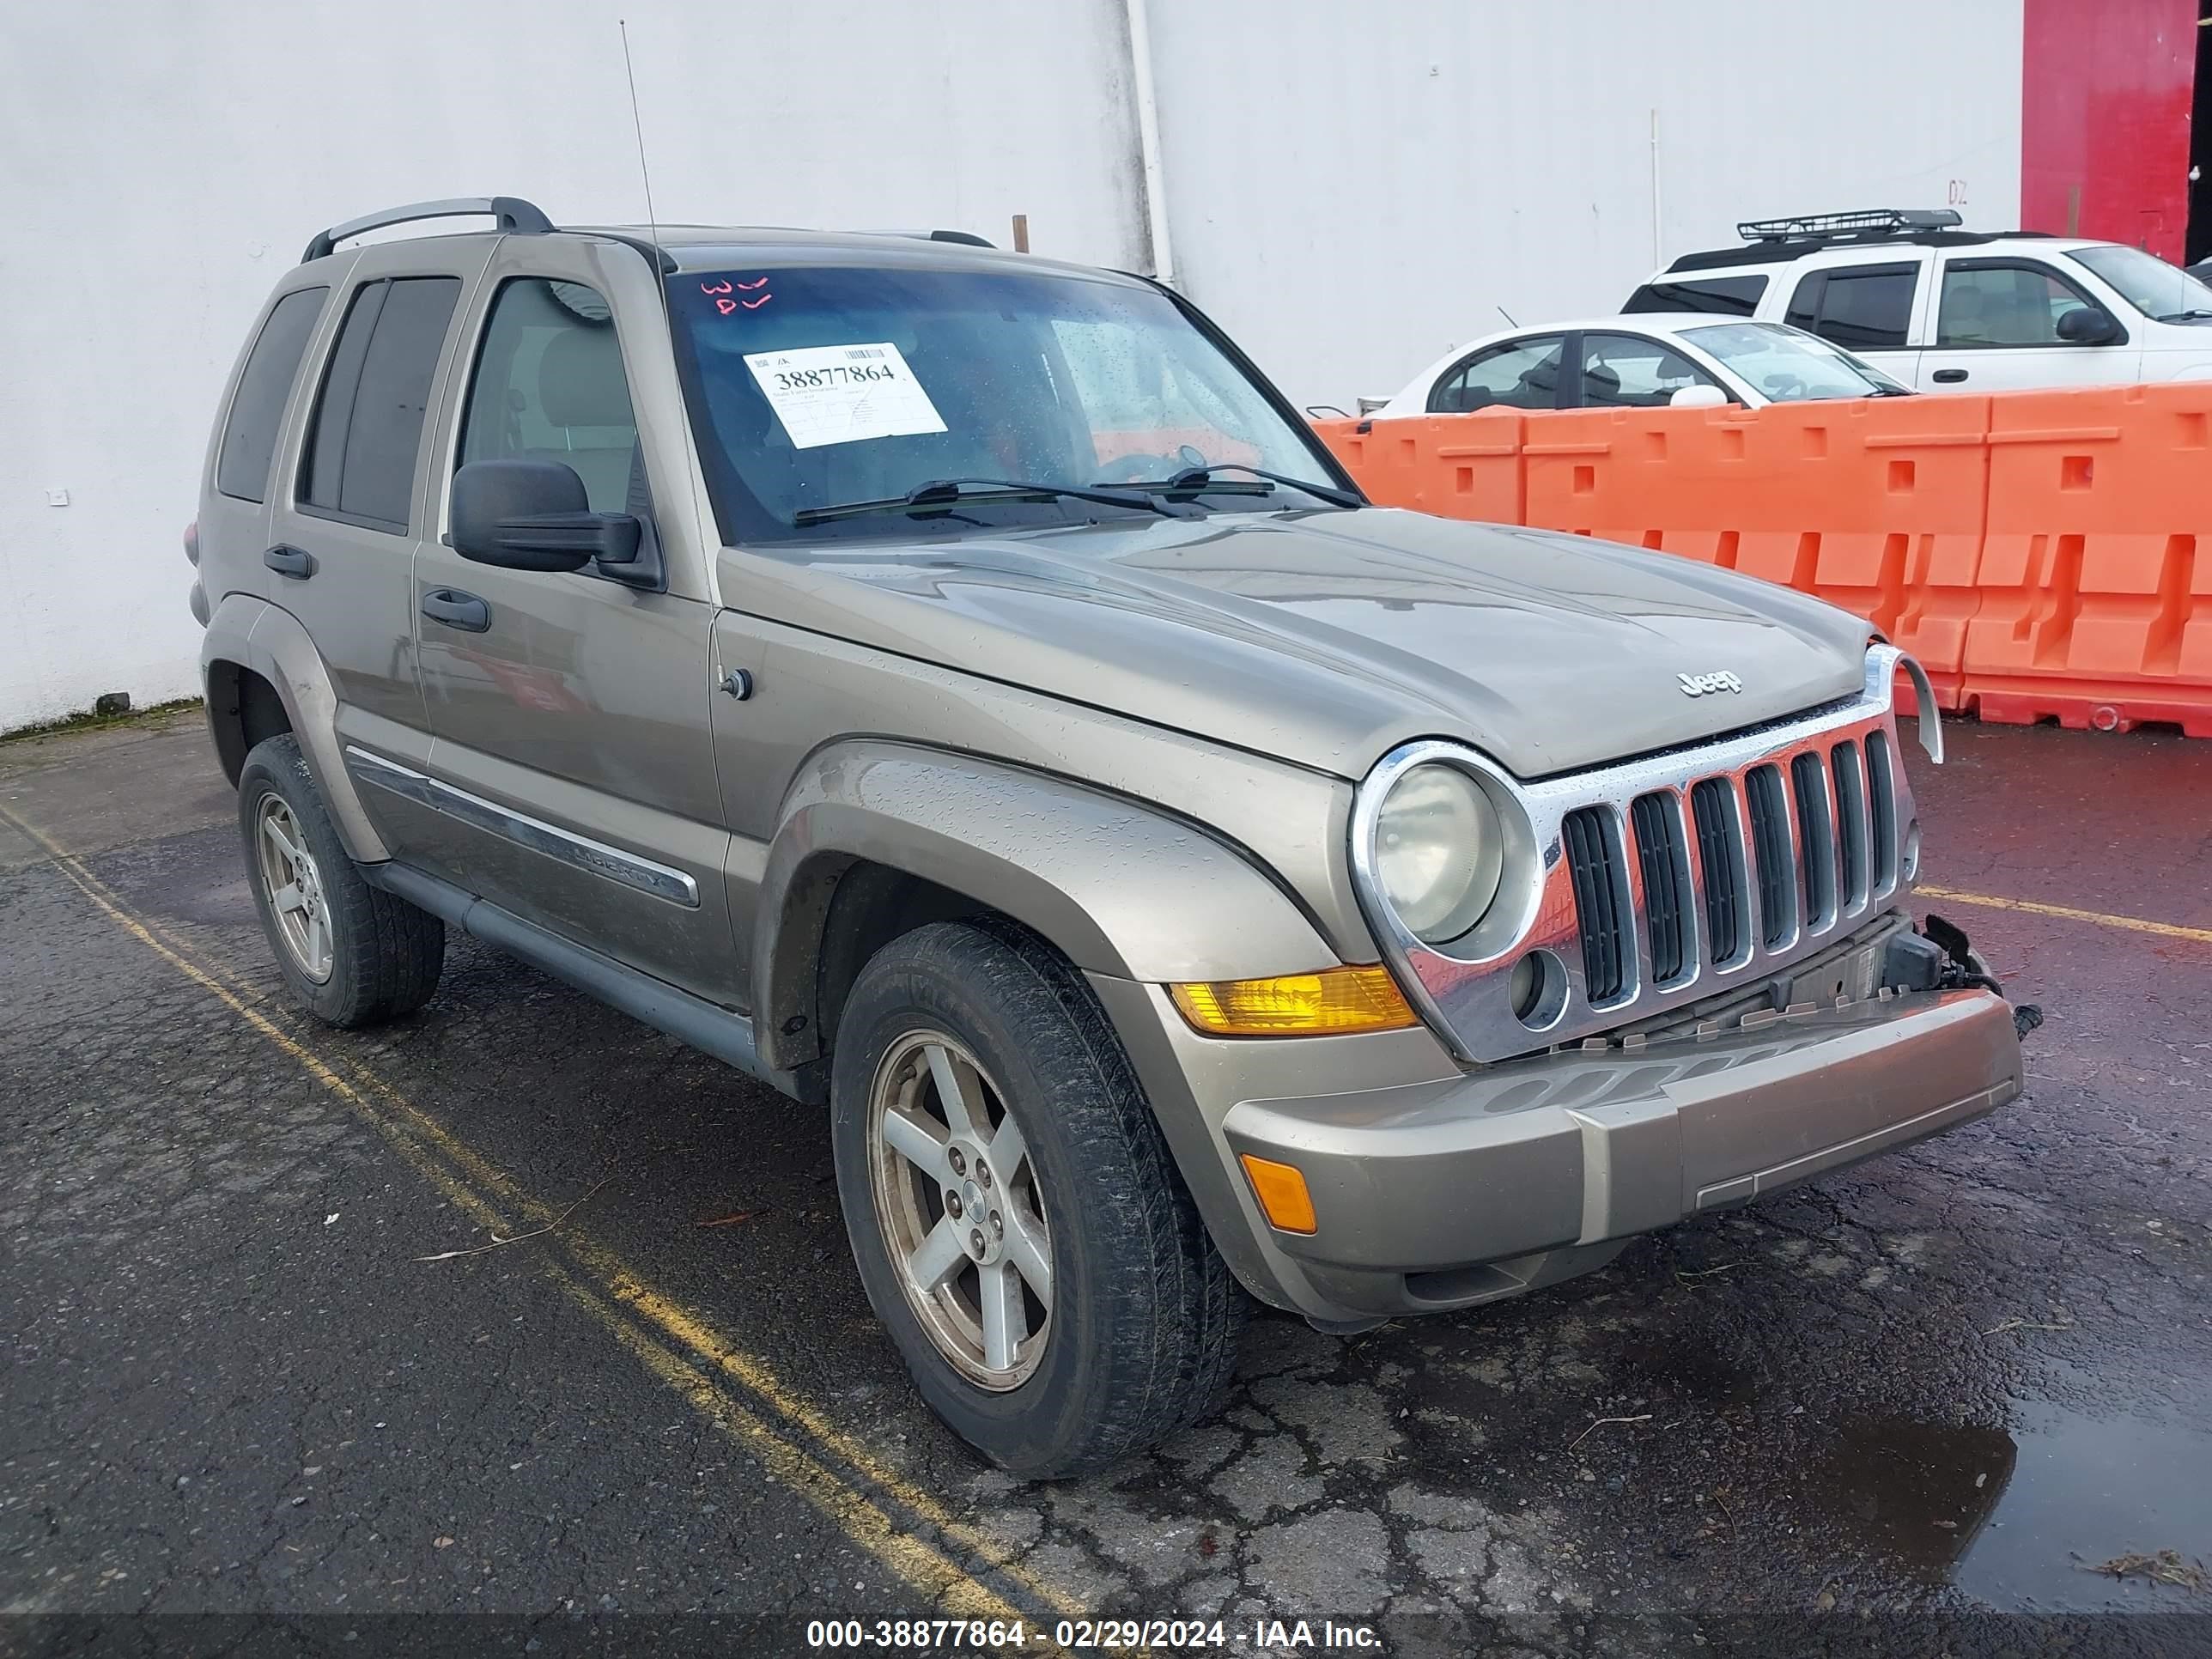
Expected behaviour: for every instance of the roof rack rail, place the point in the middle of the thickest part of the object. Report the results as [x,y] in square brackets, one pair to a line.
[1867,222]
[513,214]
[965,238]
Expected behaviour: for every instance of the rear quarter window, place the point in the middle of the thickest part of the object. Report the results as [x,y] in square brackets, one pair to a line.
[264,386]
[1720,296]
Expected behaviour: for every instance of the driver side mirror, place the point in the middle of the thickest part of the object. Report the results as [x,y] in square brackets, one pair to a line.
[2089,326]
[1698,397]
[535,515]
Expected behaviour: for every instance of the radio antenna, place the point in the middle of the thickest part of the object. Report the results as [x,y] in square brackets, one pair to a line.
[637,127]
[662,266]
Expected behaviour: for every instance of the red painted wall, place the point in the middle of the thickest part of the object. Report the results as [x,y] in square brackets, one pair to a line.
[2106,90]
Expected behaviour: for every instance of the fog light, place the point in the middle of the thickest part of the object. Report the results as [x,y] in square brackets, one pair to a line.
[1913,850]
[1282,1194]
[1334,1002]
[1523,987]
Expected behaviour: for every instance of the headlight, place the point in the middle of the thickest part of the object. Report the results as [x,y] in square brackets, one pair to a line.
[1439,852]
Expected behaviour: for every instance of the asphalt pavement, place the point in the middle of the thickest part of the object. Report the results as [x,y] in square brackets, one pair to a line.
[517,1327]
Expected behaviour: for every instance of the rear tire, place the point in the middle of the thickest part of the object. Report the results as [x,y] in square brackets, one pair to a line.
[1136,1338]
[353,955]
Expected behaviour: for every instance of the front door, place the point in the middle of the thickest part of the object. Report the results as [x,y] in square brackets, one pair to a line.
[1997,329]
[569,710]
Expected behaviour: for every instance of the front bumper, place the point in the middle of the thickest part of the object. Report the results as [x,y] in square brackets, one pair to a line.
[1442,1192]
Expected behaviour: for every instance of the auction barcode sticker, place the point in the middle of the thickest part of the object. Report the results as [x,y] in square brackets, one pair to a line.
[840,394]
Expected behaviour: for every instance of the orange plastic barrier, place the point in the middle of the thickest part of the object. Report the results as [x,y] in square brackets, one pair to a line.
[2096,571]
[1456,467]
[2037,551]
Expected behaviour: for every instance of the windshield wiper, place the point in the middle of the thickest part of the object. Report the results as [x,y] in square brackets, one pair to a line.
[941,493]
[2189,316]
[1199,480]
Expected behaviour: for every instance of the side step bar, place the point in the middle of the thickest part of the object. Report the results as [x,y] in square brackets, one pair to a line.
[705,1026]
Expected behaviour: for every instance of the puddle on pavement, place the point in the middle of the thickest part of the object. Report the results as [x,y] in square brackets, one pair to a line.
[2012,1519]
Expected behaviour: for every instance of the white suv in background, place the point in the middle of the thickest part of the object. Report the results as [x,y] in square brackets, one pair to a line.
[1945,309]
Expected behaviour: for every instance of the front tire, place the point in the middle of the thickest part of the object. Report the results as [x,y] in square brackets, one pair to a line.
[1019,1223]
[352,954]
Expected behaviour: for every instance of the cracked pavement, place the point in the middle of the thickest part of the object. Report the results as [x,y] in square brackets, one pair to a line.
[1925,1393]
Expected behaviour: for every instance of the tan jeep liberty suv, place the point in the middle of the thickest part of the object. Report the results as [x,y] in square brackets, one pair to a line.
[955,687]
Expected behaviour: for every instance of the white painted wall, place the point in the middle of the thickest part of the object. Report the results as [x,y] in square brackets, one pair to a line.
[1354,192]
[1349,190]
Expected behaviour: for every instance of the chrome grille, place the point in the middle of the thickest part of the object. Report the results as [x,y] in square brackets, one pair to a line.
[1720,861]
[1664,860]
[1778,868]
[1600,903]
[1661,881]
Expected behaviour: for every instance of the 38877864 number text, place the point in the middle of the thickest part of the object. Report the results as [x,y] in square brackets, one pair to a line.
[801,379]
[994,1636]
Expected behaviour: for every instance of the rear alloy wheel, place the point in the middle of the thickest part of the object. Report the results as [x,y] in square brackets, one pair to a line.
[292,885]
[1019,1225]
[352,954]
[957,1196]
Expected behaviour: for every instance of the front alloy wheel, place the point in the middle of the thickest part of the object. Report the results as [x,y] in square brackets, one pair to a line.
[976,1089]
[963,1220]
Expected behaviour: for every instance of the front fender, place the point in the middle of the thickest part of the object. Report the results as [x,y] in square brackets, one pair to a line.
[1121,888]
[253,633]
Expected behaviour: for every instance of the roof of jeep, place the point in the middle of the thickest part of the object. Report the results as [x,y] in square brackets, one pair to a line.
[718,247]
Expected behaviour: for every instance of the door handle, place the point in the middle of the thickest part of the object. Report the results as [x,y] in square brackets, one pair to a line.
[455,609]
[293,561]
[1948,376]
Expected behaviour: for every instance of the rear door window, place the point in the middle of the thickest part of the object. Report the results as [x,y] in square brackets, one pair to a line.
[1722,296]
[1859,308]
[1513,374]
[367,430]
[264,386]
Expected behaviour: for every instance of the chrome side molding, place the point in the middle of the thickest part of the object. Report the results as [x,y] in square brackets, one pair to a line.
[595,857]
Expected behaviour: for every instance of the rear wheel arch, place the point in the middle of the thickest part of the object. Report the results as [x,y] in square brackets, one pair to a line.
[243,708]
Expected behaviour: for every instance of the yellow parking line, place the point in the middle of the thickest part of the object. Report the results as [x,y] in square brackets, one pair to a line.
[878,1532]
[2067,913]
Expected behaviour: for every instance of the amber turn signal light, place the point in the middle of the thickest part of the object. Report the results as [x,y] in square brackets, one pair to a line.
[1282,1194]
[1334,1002]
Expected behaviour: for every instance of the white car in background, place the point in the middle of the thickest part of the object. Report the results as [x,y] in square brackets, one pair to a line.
[1946,309]
[1686,359]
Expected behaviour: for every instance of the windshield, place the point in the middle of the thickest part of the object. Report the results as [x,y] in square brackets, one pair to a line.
[1788,365]
[814,388]
[2148,282]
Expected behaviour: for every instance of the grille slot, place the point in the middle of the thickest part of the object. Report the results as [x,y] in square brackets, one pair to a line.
[1850,821]
[1770,848]
[1720,856]
[1664,862]
[1599,910]
[1816,841]
[1881,798]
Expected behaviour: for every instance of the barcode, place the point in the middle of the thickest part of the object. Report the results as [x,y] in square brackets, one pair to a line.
[859,353]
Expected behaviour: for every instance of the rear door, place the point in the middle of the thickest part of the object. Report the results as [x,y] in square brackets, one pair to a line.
[570,709]
[1996,329]
[350,511]
[1871,307]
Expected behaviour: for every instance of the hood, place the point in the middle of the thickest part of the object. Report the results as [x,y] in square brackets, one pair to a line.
[1328,638]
